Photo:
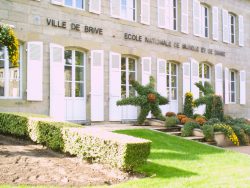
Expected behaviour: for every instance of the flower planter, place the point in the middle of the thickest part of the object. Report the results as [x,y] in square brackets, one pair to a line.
[198,132]
[221,140]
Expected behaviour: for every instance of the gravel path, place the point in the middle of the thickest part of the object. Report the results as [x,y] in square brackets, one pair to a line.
[22,162]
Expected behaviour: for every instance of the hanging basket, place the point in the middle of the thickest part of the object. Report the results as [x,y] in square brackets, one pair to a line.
[8,39]
[151,97]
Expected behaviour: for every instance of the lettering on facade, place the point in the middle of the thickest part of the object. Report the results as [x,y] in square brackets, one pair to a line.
[169,44]
[74,26]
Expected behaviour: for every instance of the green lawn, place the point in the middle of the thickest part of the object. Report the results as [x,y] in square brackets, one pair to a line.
[175,162]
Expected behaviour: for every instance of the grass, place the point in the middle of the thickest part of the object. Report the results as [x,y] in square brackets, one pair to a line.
[175,162]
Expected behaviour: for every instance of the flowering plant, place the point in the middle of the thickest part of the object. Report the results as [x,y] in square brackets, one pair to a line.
[8,38]
[228,131]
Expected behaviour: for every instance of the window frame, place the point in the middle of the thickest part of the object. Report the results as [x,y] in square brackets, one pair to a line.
[175,10]
[204,8]
[202,79]
[169,73]
[230,88]
[7,80]
[135,11]
[230,15]
[74,5]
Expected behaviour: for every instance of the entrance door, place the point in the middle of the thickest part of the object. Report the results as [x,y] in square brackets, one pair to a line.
[74,75]
[128,73]
[172,86]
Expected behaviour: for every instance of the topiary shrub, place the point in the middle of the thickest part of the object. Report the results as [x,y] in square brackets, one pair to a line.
[171,121]
[188,128]
[186,120]
[201,120]
[188,105]
[148,100]
[181,116]
[170,114]
[197,115]
[208,131]
[228,120]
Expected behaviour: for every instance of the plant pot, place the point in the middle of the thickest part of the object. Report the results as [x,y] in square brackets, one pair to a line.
[198,132]
[221,140]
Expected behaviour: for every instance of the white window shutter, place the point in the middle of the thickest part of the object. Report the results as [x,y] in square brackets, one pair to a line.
[194,77]
[186,78]
[162,82]
[225,23]
[202,34]
[97,85]
[242,87]
[215,23]
[162,13]
[114,86]
[115,6]
[241,30]
[184,16]
[57,2]
[219,79]
[171,14]
[226,86]
[145,12]
[57,90]
[146,70]
[167,9]
[95,6]
[35,71]
[196,18]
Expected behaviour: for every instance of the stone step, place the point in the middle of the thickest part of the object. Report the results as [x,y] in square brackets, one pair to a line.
[195,138]
[177,133]
[210,143]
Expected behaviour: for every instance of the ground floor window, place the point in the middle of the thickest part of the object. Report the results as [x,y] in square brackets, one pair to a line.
[9,75]
[232,86]
[128,73]
[172,80]
[74,73]
[204,73]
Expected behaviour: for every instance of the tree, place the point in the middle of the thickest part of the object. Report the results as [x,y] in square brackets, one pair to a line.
[148,100]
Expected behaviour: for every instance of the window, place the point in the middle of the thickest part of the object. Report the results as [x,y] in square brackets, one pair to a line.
[128,73]
[175,13]
[74,73]
[9,75]
[232,28]
[204,21]
[204,74]
[128,10]
[232,86]
[171,81]
[75,3]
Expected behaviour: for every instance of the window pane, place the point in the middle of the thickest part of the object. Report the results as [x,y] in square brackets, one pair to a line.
[200,70]
[68,73]
[14,88]
[174,94]
[131,77]
[168,81]
[174,81]
[232,97]
[131,91]
[68,86]
[1,87]
[167,93]
[206,71]
[173,69]
[68,57]
[79,58]
[131,64]
[232,86]
[167,67]
[123,75]
[79,91]
[69,2]
[79,74]
[123,64]
[232,76]
[79,4]
[123,91]
[1,52]
[1,64]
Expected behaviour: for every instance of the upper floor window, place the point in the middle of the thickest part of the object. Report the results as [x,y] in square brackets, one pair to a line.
[175,13]
[128,10]
[9,76]
[204,21]
[232,86]
[75,3]
[232,24]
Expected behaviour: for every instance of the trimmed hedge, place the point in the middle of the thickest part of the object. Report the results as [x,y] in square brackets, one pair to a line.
[122,151]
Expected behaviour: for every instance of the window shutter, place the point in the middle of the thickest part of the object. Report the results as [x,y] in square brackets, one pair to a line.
[162,82]
[167,9]
[57,90]
[145,12]
[184,16]
[194,77]
[162,13]
[146,70]
[171,16]
[186,78]
[130,10]
[219,79]
[95,6]
[97,85]
[35,71]
[196,18]
[241,30]
[226,86]
[57,2]
[242,87]
[215,23]
[225,23]
[115,6]
[202,34]
[114,86]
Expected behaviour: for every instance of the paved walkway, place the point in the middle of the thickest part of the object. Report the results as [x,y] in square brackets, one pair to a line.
[241,149]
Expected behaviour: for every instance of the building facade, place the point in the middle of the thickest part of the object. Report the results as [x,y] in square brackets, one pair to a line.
[78,57]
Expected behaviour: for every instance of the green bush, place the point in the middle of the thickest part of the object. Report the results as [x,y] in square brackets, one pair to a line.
[212,121]
[188,105]
[188,128]
[208,131]
[240,133]
[228,120]
[197,115]
[171,121]
[122,151]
